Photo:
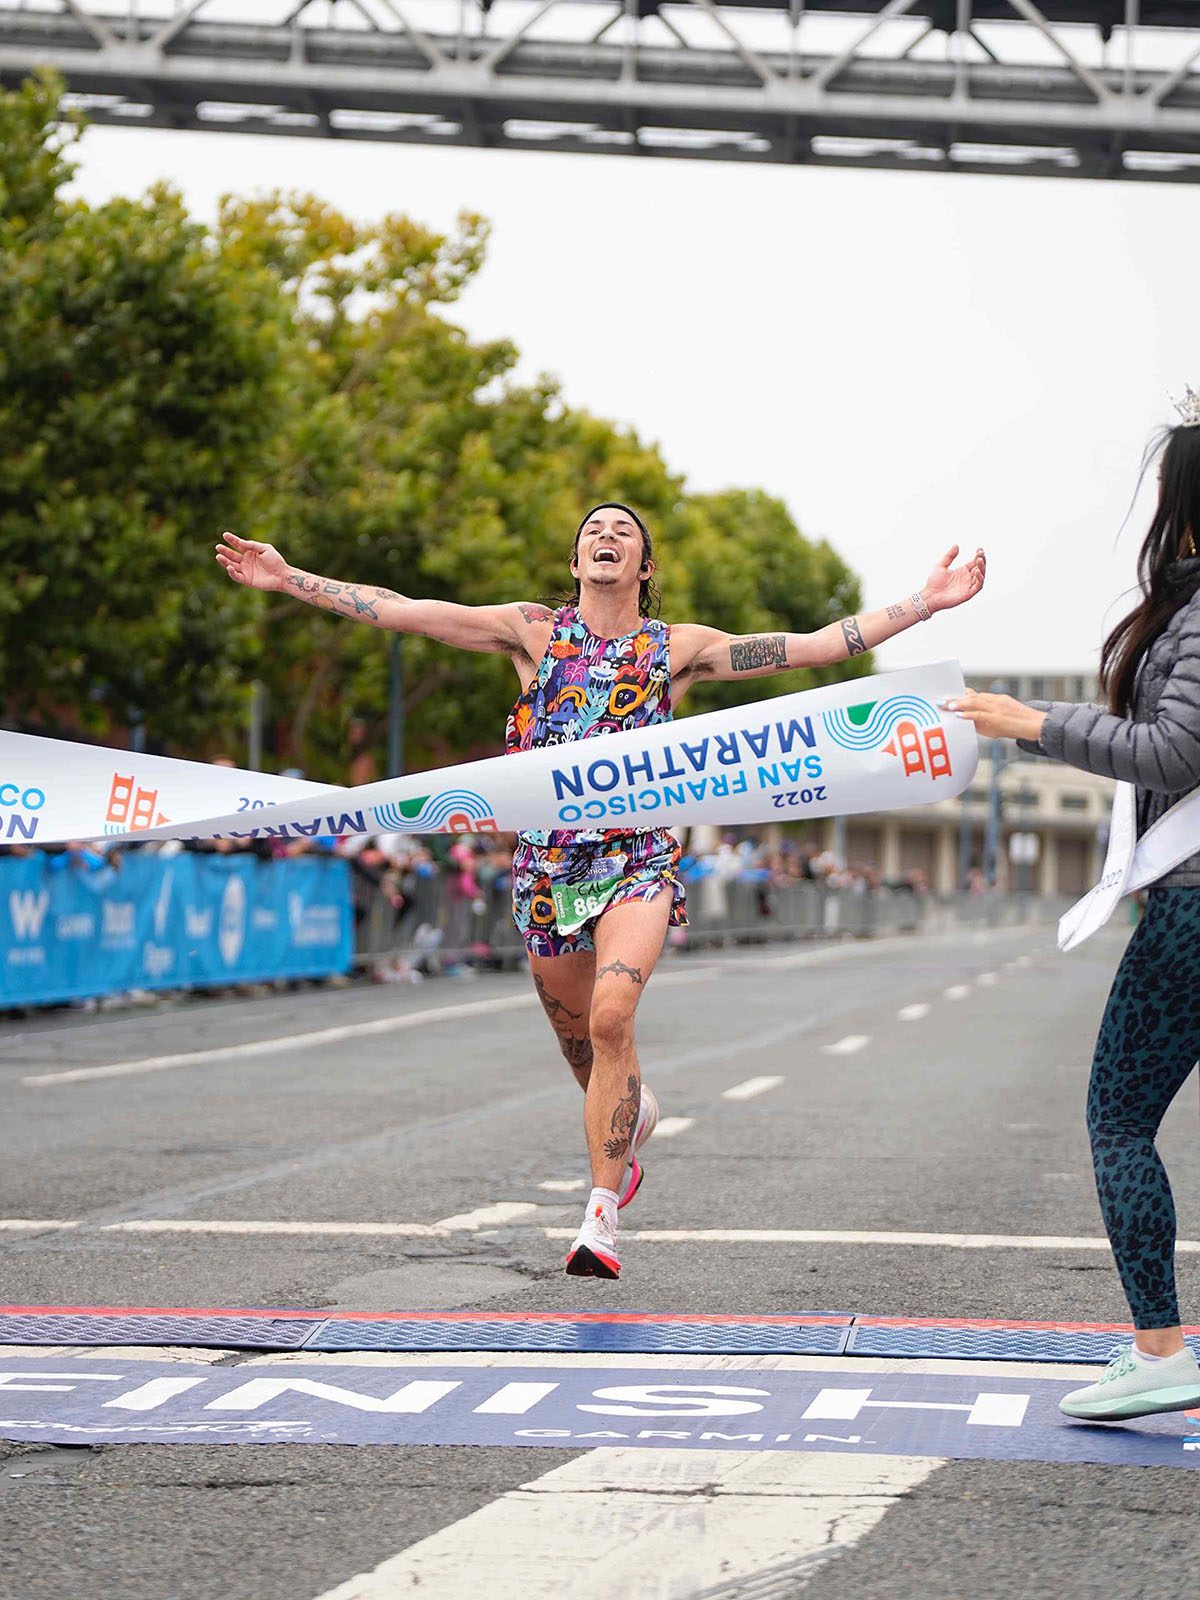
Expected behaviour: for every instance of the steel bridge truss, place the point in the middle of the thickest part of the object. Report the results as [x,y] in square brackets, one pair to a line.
[1109,89]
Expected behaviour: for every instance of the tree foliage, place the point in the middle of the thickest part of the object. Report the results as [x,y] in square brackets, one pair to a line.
[293,374]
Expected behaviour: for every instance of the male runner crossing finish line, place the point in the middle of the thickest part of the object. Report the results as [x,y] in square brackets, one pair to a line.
[593,905]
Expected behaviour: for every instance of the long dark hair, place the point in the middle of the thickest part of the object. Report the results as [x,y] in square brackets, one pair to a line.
[1176,516]
[649,594]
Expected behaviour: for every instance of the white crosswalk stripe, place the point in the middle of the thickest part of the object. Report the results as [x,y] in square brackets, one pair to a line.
[658,1524]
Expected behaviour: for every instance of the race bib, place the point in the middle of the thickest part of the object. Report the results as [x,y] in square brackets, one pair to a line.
[577,903]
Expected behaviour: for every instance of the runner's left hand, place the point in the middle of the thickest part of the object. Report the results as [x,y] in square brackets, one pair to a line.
[997,716]
[948,586]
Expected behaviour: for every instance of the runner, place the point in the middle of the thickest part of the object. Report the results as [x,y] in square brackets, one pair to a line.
[1150,1036]
[593,906]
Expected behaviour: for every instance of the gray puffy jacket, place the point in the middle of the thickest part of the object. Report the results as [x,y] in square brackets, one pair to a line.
[1158,748]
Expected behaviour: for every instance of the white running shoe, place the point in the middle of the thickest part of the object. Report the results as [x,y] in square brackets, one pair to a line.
[1131,1388]
[594,1253]
[646,1123]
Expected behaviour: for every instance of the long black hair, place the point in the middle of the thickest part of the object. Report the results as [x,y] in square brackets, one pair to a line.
[649,594]
[1172,534]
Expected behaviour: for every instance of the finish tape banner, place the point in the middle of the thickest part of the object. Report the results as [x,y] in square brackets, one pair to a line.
[871,744]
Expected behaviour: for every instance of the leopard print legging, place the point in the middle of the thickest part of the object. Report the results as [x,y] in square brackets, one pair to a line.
[1149,1042]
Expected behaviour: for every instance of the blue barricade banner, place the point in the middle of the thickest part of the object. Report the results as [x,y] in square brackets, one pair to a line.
[70,928]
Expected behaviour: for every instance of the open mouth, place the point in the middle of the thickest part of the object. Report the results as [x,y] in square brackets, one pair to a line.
[608,555]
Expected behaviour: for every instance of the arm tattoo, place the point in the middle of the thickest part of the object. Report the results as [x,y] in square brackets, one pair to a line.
[619,967]
[344,598]
[535,613]
[745,655]
[856,645]
[895,613]
[624,1120]
[553,1007]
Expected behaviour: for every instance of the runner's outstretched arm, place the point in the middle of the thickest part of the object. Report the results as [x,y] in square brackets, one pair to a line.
[708,653]
[500,630]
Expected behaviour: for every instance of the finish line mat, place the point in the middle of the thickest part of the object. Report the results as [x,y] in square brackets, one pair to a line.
[90,1400]
[569,1332]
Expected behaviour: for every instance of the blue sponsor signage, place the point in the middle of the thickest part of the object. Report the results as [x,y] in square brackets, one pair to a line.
[70,928]
[54,1399]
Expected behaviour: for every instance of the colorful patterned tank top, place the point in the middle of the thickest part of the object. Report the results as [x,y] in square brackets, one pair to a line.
[586,685]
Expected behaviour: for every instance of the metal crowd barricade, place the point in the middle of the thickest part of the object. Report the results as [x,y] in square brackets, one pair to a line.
[437,928]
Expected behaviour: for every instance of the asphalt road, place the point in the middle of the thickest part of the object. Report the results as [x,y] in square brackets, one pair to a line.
[966,1119]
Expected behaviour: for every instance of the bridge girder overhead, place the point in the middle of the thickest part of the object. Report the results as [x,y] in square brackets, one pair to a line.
[1069,88]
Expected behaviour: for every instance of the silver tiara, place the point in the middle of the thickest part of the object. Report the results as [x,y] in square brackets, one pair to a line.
[1188,408]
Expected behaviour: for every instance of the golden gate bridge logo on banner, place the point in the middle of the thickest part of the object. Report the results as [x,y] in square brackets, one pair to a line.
[455,811]
[905,726]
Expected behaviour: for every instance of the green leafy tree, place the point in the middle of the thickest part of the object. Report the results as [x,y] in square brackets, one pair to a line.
[294,374]
[141,382]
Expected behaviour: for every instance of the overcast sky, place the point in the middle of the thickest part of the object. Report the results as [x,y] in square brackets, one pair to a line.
[908,360]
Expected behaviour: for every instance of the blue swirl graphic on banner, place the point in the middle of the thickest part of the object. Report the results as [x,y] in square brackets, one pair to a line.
[866,726]
[430,812]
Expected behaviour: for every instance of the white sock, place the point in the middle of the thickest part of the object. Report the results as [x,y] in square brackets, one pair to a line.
[607,1200]
[1144,1358]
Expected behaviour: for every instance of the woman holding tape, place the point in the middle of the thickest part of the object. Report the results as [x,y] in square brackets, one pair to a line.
[593,906]
[1150,1036]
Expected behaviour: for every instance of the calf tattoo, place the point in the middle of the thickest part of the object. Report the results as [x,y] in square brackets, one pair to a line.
[619,967]
[624,1120]
[856,645]
[770,650]
[578,1052]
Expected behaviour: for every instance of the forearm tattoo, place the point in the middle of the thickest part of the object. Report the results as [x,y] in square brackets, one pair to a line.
[769,650]
[346,599]
[554,1008]
[856,645]
[536,613]
[896,613]
[624,1120]
[617,968]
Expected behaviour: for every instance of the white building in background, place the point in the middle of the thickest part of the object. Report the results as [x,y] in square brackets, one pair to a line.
[1060,813]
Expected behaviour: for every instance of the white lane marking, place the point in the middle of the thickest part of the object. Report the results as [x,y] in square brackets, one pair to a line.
[850,1045]
[497,1216]
[947,1241]
[562,1185]
[366,1230]
[285,1042]
[913,1013]
[606,1521]
[510,1211]
[668,1127]
[751,1087]
[986,980]
[957,991]
[30,1224]
[321,1036]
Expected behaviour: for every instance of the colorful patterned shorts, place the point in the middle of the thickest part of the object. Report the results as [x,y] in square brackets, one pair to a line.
[651,860]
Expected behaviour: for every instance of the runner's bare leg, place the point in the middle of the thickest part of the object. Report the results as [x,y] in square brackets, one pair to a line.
[629,940]
[564,986]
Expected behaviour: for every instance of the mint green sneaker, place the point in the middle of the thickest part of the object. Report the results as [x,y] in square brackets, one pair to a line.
[1127,1388]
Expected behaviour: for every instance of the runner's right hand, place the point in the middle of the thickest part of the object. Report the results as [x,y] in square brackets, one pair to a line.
[258,566]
